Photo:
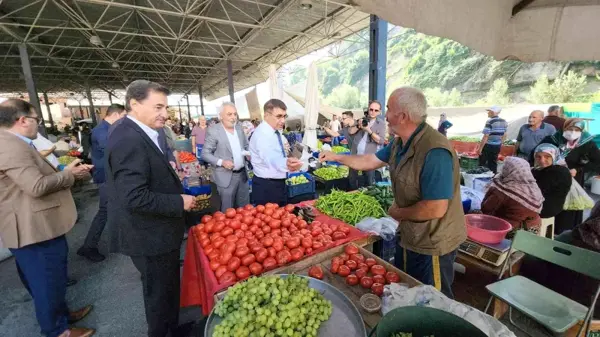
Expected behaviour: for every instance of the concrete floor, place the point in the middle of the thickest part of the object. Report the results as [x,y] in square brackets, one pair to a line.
[112,286]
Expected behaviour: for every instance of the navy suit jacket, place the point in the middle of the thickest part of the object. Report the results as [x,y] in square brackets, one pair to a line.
[99,138]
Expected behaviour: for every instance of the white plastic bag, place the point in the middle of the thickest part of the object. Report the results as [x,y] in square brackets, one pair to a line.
[577,198]
[384,227]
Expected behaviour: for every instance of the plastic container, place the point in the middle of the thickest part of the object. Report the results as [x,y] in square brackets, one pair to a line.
[370,303]
[596,185]
[466,205]
[295,190]
[468,162]
[486,228]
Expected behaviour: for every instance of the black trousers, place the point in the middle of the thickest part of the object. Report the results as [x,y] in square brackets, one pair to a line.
[268,190]
[489,157]
[160,284]
[357,181]
[99,222]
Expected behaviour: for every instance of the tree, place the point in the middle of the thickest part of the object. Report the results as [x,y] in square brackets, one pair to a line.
[298,74]
[566,88]
[438,98]
[498,93]
[347,97]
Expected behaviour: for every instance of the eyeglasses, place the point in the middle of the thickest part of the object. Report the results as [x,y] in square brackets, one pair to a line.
[376,110]
[37,119]
[280,116]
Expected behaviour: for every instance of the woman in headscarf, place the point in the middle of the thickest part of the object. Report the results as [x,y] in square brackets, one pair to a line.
[444,124]
[248,128]
[553,180]
[582,156]
[515,196]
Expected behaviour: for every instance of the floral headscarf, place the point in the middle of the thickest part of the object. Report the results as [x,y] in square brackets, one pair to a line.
[549,149]
[517,182]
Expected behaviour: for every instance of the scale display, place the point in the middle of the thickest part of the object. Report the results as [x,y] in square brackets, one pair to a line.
[492,254]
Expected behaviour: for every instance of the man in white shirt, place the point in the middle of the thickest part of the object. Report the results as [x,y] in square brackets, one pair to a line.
[269,158]
[335,124]
[46,148]
[225,148]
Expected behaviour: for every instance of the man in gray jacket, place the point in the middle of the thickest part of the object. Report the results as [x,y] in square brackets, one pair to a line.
[225,148]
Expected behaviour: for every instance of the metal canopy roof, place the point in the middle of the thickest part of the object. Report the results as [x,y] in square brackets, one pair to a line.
[179,43]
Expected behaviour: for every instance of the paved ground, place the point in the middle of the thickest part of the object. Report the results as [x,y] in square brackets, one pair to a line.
[112,286]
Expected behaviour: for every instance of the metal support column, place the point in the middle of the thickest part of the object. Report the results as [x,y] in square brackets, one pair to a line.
[230,80]
[110,98]
[377,60]
[91,108]
[187,98]
[180,118]
[200,94]
[48,108]
[30,83]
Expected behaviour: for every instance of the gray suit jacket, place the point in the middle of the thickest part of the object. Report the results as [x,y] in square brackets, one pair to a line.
[216,146]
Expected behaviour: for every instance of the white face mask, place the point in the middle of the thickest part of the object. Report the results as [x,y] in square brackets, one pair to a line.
[572,135]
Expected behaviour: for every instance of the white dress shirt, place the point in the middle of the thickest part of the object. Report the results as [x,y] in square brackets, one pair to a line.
[335,125]
[268,161]
[236,149]
[153,134]
[42,144]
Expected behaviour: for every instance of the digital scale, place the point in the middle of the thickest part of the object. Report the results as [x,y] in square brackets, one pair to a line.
[494,254]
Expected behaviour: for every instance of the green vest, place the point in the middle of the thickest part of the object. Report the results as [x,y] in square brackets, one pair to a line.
[434,237]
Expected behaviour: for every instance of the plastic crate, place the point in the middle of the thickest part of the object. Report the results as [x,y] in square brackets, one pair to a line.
[295,190]
[198,190]
[468,163]
[388,249]
[342,184]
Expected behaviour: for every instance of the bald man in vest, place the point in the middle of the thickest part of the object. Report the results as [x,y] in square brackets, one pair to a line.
[426,184]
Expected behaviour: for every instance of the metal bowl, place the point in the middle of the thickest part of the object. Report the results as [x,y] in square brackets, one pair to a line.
[345,319]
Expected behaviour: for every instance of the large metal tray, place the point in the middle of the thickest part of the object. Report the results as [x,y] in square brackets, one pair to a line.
[345,320]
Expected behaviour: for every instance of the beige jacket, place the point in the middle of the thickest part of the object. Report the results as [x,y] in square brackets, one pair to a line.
[35,200]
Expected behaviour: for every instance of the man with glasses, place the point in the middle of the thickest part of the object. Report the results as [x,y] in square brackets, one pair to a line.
[36,211]
[367,140]
[269,157]
[348,123]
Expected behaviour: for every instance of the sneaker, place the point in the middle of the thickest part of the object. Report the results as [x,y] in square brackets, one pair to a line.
[91,254]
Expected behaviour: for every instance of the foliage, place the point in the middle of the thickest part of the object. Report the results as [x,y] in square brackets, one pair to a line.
[498,93]
[172,113]
[347,97]
[298,74]
[566,88]
[438,98]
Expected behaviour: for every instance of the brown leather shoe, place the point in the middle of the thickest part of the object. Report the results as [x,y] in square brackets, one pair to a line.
[78,315]
[78,332]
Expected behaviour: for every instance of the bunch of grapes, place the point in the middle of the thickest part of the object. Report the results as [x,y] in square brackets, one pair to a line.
[272,306]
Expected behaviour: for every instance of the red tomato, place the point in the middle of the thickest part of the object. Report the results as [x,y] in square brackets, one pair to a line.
[228,247]
[219,242]
[289,208]
[242,251]
[260,208]
[378,269]
[266,229]
[370,262]
[391,277]
[344,229]
[244,227]
[247,220]
[238,217]
[351,264]
[204,242]
[248,207]
[283,257]
[269,263]
[231,239]
[261,255]
[214,265]
[267,241]
[351,249]
[230,213]
[242,242]
[366,282]
[209,227]
[248,259]
[363,266]
[345,257]
[278,245]
[242,272]
[240,233]
[308,251]
[234,224]
[316,272]
[379,279]
[214,255]
[220,271]
[233,264]
[208,249]
[218,216]
[269,211]
[286,223]
[357,257]
[338,236]
[275,224]
[377,289]
[255,247]
[239,210]
[317,245]
[219,225]
[297,254]
[335,265]
[227,277]
[203,236]
[256,268]
[293,242]
[225,258]
[351,280]
[327,231]
[344,271]
[360,273]
[307,243]
[206,218]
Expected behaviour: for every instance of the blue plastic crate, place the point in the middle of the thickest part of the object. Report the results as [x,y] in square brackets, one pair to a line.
[388,249]
[466,205]
[295,190]
[198,190]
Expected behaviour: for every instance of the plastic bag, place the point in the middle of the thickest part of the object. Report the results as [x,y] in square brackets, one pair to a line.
[577,198]
[475,196]
[384,227]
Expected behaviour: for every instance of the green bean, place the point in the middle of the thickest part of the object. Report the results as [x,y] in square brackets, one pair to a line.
[350,207]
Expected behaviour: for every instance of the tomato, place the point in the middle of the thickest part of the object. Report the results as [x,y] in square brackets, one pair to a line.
[360,273]
[218,216]
[227,277]
[271,205]
[278,245]
[378,269]
[220,271]
[260,208]
[203,236]
[208,249]
[297,254]
[214,255]
[286,223]
[248,207]
[233,264]
[391,277]
[238,217]
[317,245]
[242,272]
[204,242]
[316,272]
[266,229]
[242,251]
[308,251]
[268,211]
[231,239]
[351,264]
[307,243]
[267,219]
[225,258]
[366,282]
[345,257]
[209,227]
[269,263]
[230,213]
[283,257]
[351,280]
[293,242]
[248,259]
[338,236]
[255,247]
[261,255]
[234,224]
[351,249]
[272,252]
[370,262]
[256,268]
[379,279]
[377,289]
[327,231]
[244,227]
[228,247]
[242,242]
[214,264]
[344,271]
[363,266]
[289,208]
[275,224]
[344,229]
[219,225]
[357,257]
[240,233]
[206,218]
[335,265]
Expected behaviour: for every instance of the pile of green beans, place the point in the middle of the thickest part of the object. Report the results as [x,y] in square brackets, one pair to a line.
[351,208]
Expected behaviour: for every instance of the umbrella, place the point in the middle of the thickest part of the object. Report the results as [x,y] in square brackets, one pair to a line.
[311,107]
[526,30]
[273,85]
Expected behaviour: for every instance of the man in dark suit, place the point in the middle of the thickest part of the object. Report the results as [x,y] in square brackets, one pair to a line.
[146,206]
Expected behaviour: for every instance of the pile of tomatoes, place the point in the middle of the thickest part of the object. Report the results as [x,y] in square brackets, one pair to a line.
[187,157]
[251,240]
[364,271]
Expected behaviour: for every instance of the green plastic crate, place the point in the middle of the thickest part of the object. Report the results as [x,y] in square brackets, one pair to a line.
[468,163]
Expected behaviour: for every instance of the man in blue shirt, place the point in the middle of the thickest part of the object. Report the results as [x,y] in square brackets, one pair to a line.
[89,250]
[531,134]
[494,134]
